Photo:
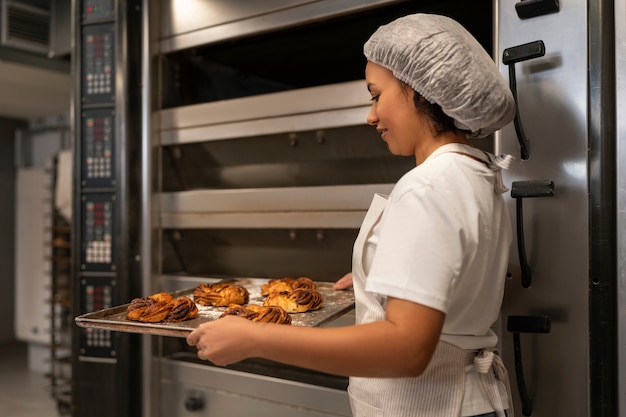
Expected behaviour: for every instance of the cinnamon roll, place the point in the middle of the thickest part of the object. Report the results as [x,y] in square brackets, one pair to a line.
[296,301]
[287,284]
[220,295]
[161,307]
[182,309]
[262,314]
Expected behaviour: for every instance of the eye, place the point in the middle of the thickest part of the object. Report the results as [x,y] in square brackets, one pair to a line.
[375,98]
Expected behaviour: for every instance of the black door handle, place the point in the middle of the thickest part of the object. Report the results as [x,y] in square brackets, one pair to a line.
[509,57]
[525,324]
[520,190]
[532,8]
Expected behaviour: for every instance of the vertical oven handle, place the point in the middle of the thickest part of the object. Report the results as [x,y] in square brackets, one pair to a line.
[520,190]
[509,57]
[525,324]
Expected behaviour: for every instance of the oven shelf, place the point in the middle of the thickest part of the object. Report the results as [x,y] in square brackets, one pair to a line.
[324,107]
[302,207]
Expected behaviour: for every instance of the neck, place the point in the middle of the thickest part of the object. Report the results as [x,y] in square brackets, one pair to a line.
[437,142]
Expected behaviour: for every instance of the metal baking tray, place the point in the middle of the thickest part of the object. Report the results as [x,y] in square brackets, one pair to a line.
[336,304]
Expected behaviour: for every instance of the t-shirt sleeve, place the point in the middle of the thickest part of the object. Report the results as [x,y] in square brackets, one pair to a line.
[419,253]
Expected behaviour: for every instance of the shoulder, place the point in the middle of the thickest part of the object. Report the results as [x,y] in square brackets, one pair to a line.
[441,171]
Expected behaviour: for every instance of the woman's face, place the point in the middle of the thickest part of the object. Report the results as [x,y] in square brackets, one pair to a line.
[393,113]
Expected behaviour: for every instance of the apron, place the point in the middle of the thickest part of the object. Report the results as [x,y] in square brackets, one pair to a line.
[439,391]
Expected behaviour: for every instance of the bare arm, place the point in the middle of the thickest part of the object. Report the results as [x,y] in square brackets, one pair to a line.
[401,345]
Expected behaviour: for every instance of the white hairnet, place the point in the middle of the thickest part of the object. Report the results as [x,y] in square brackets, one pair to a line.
[443,62]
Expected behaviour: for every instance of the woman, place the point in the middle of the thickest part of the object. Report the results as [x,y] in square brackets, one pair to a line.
[430,259]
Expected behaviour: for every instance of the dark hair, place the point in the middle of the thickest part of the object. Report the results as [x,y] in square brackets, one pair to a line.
[441,121]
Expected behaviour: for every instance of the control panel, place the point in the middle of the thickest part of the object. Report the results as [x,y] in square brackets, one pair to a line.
[97,10]
[106,210]
[97,75]
[98,140]
[97,294]
[97,252]
[97,191]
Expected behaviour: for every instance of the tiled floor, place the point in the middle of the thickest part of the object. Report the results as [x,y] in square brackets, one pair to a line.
[23,393]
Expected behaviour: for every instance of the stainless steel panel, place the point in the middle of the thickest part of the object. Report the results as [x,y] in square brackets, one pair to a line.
[552,93]
[193,23]
[232,393]
[620,71]
[60,24]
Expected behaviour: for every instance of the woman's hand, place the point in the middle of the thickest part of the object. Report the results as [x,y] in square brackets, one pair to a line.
[224,341]
[344,282]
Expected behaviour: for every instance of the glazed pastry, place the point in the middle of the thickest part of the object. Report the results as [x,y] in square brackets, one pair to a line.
[262,314]
[161,297]
[137,306]
[220,295]
[270,314]
[161,307]
[239,311]
[287,284]
[156,312]
[296,301]
[182,309]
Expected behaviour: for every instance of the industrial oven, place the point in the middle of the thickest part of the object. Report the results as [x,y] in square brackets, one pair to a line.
[227,138]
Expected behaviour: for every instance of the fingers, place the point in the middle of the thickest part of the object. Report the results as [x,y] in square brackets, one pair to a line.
[344,282]
[220,341]
[192,338]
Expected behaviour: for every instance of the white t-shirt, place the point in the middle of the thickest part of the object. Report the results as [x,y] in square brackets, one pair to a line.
[443,242]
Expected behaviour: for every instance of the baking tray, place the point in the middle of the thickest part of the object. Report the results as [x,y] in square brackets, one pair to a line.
[336,304]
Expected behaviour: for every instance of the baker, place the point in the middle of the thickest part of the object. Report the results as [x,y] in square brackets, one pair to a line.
[430,259]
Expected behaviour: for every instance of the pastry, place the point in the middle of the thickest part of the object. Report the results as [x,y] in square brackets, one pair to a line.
[182,309]
[287,284]
[220,295]
[161,307]
[262,314]
[156,312]
[137,306]
[296,301]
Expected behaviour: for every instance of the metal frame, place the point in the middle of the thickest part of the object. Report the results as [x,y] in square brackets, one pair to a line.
[620,158]
[553,93]
[263,16]
[602,207]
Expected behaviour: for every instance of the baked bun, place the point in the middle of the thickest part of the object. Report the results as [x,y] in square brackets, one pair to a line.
[287,284]
[261,314]
[161,297]
[296,301]
[161,307]
[220,295]
[137,306]
[182,309]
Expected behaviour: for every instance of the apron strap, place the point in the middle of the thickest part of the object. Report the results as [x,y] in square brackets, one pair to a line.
[493,162]
[491,369]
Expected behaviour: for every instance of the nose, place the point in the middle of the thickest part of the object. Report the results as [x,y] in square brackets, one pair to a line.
[372,118]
